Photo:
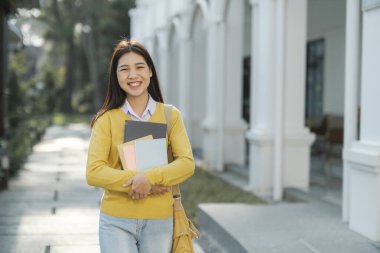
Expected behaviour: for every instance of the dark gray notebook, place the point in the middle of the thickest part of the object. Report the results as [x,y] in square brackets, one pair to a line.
[137,129]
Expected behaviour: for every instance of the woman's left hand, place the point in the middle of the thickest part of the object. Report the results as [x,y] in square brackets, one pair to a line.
[140,186]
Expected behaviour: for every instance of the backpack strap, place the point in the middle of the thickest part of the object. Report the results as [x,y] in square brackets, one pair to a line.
[168,116]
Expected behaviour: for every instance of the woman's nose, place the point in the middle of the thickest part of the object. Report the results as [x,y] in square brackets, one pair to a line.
[132,73]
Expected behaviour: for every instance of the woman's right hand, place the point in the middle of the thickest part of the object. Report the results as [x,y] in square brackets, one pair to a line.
[160,189]
[138,182]
[140,186]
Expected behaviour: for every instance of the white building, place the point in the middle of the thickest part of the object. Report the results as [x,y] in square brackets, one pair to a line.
[275,64]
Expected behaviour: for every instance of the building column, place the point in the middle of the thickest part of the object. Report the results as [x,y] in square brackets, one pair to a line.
[235,126]
[352,76]
[198,74]
[260,133]
[183,26]
[279,141]
[149,44]
[363,156]
[213,125]
[134,17]
[163,59]
[297,139]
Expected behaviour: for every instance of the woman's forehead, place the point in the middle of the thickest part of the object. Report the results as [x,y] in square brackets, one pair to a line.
[131,58]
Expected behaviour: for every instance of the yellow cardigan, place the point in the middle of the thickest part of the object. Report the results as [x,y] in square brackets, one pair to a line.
[104,167]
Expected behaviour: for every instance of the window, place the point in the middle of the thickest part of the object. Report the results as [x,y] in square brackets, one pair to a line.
[314,81]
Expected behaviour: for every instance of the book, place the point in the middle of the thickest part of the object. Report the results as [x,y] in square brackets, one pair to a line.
[129,156]
[137,129]
[150,153]
[127,153]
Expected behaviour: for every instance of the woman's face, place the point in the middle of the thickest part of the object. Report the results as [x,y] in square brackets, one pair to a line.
[133,74]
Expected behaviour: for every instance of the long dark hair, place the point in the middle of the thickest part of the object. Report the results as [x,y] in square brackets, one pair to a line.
[115,95]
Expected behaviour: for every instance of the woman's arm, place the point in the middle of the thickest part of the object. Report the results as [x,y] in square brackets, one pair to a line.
[183,166]
[98,172]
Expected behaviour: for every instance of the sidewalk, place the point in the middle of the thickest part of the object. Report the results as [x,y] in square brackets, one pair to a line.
[49,208]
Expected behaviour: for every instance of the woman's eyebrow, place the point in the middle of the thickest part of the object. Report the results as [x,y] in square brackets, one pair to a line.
[126,65]
[121,66]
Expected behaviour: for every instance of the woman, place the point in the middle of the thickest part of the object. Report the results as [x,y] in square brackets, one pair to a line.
[136,210]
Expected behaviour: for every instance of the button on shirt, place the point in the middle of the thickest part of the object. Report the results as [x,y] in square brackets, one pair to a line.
[148,112]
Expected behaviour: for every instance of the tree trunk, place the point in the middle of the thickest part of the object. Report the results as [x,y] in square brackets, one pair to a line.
[69,76]
[90,50]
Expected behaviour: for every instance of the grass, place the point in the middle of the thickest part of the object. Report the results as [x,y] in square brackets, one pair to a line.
[204,187]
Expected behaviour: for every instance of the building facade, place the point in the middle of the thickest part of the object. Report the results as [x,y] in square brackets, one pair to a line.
[251,77]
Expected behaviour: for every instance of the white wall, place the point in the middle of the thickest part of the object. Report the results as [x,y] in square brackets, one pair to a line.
[326,19]
[334,72]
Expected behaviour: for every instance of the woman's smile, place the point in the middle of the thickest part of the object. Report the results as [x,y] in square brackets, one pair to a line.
[134,83]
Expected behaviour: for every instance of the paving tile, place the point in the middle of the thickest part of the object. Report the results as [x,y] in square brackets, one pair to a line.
[38,244]
[75,249]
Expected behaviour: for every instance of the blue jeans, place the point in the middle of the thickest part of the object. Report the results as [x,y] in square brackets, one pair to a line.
[121,235]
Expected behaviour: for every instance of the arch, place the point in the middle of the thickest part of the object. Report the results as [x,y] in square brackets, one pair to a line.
[198,11]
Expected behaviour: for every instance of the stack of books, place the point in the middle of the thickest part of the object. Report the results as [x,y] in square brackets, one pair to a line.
[144,145]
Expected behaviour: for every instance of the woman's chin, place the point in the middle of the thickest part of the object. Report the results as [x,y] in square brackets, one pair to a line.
[135,94]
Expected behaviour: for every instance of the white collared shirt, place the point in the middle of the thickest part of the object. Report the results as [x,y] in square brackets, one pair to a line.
[148,112]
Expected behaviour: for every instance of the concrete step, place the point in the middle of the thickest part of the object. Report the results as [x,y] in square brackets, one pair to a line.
[281,228]
[315,193]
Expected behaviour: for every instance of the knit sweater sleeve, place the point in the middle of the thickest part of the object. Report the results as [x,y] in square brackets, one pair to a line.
[99,172]
[183,165]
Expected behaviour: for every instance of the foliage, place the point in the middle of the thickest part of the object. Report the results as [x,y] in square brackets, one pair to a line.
[82,34]
[70,75]
[23,137]
[30,92]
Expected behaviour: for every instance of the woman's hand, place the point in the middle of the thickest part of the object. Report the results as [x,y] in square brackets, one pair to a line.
[160,189]
[140,186]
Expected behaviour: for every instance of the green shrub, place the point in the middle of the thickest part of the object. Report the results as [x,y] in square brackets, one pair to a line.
[22,137]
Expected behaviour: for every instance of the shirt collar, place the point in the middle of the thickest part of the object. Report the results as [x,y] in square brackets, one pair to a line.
[150,108]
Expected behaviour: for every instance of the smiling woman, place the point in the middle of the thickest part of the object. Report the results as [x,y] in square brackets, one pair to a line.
[137,206]
[130,65]
[133,75]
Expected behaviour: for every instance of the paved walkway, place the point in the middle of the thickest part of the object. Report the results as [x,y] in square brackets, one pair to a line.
[49,208]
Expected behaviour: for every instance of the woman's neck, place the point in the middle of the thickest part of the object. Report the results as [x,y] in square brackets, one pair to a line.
[138,104]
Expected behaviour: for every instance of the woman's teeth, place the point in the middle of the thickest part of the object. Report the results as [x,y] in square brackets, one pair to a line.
[134,84]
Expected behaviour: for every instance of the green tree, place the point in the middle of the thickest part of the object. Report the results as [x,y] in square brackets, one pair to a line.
[82,34]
